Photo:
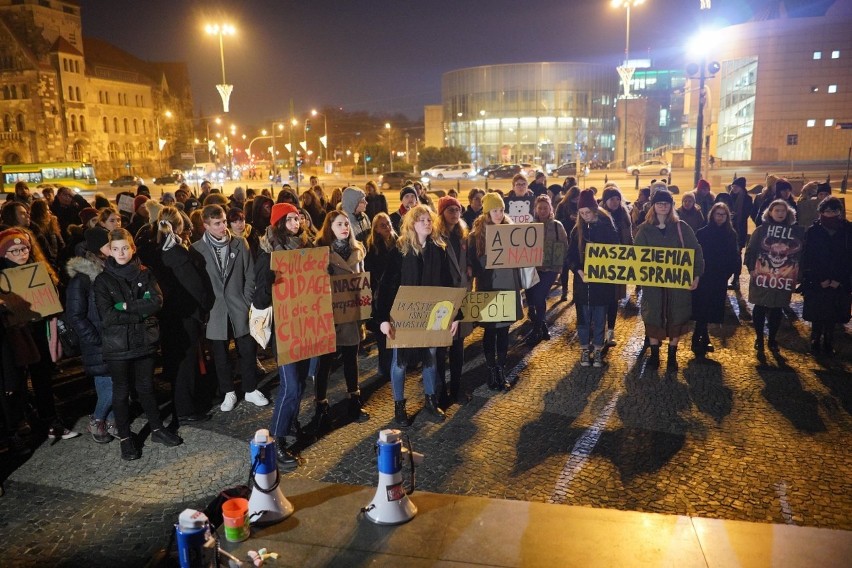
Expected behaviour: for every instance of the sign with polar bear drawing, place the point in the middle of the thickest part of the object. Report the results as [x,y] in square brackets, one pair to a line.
[520,209]
[514,246]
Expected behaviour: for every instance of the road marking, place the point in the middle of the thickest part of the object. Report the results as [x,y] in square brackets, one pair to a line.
[786,511]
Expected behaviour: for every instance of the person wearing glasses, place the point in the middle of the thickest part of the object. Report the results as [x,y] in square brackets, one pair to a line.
[520,203]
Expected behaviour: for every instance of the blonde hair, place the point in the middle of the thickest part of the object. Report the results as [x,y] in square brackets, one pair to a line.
[173,216]
[408,241]
[375,237]
[445,322]
[478,231]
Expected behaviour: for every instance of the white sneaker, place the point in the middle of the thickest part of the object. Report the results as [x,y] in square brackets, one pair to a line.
[229,403]
[256,398]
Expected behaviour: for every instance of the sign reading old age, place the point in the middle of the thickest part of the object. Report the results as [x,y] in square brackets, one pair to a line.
[640,265]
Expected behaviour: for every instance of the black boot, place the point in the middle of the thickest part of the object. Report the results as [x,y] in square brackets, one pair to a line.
[434,409]
[645,345]
[287,461]
[356,408]
[321,422]
[698,346]
[502,380]
[533,338]
[400,416]
[654,359]
[129,450]
[545,333]
[671,361]
[494,382]
[758,343]
[827,342]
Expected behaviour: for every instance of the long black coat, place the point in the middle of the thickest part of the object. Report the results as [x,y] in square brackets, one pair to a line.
[82,313]
[827,257]
[721,259]
[601,231]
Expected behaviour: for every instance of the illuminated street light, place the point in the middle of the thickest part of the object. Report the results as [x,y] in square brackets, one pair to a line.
[703,70]
[224,88]
[160,142]
[324,139]
[625,71]
[390,149]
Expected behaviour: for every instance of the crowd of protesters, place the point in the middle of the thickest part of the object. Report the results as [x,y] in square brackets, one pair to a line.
[180,278]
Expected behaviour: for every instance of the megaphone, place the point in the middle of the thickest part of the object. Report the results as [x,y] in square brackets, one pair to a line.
[391,505]
[267,504]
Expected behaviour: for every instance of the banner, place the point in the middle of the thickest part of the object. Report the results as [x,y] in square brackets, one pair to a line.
[514,246]
[29,293]
[422,315]
[351,297]
[554,253]
[489,306]
[663,267]
[301,304]
[125,203]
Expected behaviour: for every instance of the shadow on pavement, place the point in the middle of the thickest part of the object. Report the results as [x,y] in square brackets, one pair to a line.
[784,391]
[707,388]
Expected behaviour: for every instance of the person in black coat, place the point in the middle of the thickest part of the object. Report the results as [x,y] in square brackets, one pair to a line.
[82,314]
[718,242]
[127,296]
[827,274]
[740,204]
[381,241]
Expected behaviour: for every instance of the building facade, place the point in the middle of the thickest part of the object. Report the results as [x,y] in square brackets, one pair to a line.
[65,97]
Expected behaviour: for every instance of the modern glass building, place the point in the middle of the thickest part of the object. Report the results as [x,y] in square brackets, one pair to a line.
[541,113]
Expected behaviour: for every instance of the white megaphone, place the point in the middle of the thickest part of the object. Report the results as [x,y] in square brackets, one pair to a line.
[267,504]
[391,505]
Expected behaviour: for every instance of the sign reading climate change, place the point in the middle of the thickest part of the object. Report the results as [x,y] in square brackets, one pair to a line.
[633,264]
[422,315]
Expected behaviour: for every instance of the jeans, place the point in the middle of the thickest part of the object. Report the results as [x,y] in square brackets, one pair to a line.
[103,406]
[140,372]
[594,316]
[247,348]
[349,354]
[292,385]
[430,373]
[537,296]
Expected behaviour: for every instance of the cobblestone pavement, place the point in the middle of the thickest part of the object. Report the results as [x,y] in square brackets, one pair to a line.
[730,438]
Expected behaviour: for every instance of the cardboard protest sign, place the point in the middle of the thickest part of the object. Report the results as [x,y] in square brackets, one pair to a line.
[554,253]
[422,315]
[301,304]
[125,203]
[29,293]
[663,267]
[514,246]
[499,305]
[351,297]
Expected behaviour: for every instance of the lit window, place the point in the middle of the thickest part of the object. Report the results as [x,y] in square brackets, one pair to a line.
[814,89]
[835,54]
[811,123]
[832,88]
[817,55]
[829,122]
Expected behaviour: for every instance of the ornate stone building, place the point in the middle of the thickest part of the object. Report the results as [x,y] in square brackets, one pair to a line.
[66,97]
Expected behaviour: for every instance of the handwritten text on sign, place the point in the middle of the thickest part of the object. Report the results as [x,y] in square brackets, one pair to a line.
[489,306]
[29,293]
[301,304]
[351,297]
[633,264]
[514,246]
[422,315]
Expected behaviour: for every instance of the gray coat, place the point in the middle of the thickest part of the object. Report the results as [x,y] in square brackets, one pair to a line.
[234,293]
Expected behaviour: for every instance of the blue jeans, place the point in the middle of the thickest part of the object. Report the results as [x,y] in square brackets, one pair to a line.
[430,373]
[594,316]
[103,406]
[289,396]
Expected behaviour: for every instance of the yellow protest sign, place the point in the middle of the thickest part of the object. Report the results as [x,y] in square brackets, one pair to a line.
[351,297]
[499,305]
[421,315]
[29,293]
[663,267]
[518,245]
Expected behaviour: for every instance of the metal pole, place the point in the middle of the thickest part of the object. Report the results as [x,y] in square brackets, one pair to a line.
[699,127]
[627,89]
[324,153]
[159,148]
[273,148]
[222,56]
[209,155]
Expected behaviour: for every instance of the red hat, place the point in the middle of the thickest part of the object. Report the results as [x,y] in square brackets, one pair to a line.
[587,199]
[703,184]
[137,203]
[281,210]
[88,214]
[447,201]
[11,237]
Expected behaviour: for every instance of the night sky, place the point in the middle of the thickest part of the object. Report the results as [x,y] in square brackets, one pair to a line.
[382,55]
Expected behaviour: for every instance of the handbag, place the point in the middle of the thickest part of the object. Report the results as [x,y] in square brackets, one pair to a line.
[67,337]
[529,277]
[260,325]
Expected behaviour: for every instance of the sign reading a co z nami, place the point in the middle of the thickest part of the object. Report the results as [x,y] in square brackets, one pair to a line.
[29,293]
[633,264]
[517,245]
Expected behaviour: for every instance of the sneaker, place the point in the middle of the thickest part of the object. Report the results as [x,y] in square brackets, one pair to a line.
[229,403]
[61,432]
[584,358]
[97,428]
[610,338]
[166,437]
[255,397]
[598,357]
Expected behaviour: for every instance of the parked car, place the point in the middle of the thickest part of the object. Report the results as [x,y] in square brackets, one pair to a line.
[655,166]
[168,179]
[456,171]
[506,171]
[127,181]
[395,180]
[570,169]
[530,170]
[484,171]
[436,171]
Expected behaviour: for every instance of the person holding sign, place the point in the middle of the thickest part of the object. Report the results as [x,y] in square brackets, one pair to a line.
[555,243]
[496,336]
[346,257]
[591,299]
[612,203]
[419,259]
[667,311]
[520,201]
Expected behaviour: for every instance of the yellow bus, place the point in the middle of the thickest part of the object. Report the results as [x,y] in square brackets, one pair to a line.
[76,175]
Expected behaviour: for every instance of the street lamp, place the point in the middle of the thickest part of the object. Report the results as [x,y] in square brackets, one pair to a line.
[390,149]
[704,70]
[324,139]
[160,141]
[625,71]
[207,126]
[222,30]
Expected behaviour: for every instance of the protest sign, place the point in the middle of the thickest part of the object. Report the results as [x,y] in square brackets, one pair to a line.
[301,304]
[351,297]
[554,253]
[422,315]
[125,203]
[663,267]
[29,293]
[514,246]
[499,305]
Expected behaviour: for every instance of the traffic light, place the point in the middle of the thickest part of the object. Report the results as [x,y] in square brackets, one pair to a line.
[307,124]
[367,156]
[299,159]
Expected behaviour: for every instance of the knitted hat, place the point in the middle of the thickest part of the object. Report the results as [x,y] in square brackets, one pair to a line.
[824,188]
[492,201]
[662,196]
[167,196]
[153,208]
[740,181]
[281,210]
[350,199]
[96,238]
[406,190]
[609,192]
[101,201]
[830,204]
[11,237]
[703,184]
[782,185]
[240,193]
[137,203]
[87,215]
[447,201]
[191,204]
[587,200]
[657,186]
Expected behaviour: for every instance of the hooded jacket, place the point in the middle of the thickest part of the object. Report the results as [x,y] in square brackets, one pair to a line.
[82,312]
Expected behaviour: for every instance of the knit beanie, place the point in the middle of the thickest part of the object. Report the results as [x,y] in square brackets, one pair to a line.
[87,215]
[281,210]
[153,208]
[240,193]
[662,196]
[167,196]
[587,200]
[702,185]
[138,201]
[740,181]
[609,192]
[492,201]
[96,238]
[101,201]
[781,185]
[406,190]
[657,186]
[824,188]
[11,237]
[447,201]
[350,199]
